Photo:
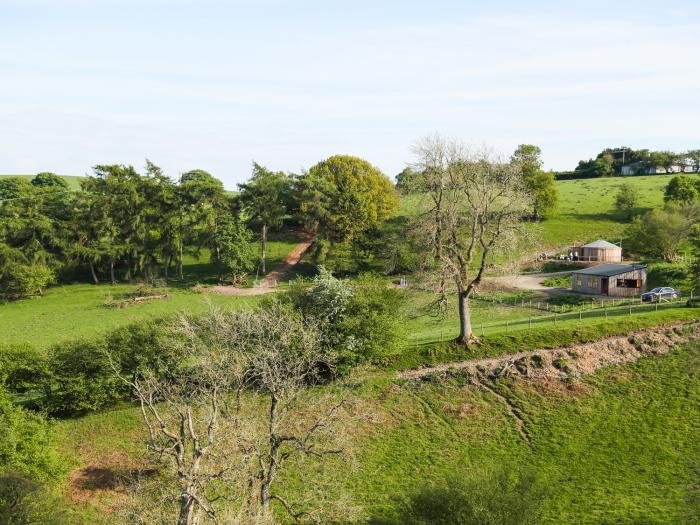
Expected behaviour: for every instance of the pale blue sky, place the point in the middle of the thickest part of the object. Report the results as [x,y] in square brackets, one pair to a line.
[214,84]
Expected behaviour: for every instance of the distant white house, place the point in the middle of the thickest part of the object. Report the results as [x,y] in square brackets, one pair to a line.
[644,168]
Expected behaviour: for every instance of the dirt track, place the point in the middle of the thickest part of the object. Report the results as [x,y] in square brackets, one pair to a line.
[531,282]
[268,283]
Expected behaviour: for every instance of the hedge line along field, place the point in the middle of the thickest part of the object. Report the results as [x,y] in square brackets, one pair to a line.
[613,447]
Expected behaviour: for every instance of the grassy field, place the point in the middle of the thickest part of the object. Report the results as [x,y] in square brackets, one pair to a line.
[586,208]
[72,180]
[77,310]
[615,447]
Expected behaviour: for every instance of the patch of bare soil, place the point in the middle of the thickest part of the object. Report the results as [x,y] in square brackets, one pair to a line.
[105,481]
[568,362]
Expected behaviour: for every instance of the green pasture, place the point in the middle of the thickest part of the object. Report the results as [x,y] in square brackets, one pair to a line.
[586,208]
[614,447]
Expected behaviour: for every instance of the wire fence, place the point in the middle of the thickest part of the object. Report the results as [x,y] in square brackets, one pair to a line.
[581,313]
[573,303]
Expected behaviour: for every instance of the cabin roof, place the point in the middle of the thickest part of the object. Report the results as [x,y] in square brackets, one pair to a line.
[608,270]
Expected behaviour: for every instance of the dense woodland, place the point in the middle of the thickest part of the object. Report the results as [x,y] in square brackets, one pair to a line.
[236,405]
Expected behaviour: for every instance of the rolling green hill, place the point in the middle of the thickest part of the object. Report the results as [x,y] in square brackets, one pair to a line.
[72,180]
[586,208]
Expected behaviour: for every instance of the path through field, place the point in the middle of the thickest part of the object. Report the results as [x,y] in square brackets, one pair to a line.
[269,282]
[531,282]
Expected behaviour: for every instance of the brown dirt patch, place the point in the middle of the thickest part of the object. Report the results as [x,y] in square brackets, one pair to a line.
[104,482]
[569,362]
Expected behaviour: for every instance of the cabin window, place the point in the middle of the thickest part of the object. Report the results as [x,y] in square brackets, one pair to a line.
[593,282]
[579,281]
[629,283]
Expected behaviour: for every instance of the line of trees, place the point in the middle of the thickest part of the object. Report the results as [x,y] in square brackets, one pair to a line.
[126,225]
[610,161]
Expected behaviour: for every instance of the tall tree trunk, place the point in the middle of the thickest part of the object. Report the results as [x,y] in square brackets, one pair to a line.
[465,321]
[111,271]
[187,514]
[92,272]
[263,243]
[179,260]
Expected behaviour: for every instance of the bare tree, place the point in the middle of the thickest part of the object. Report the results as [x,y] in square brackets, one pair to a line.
[184,401]
[477,205]
[233,400]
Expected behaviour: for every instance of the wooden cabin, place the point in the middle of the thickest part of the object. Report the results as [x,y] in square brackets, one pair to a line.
[598,251]
[615,280]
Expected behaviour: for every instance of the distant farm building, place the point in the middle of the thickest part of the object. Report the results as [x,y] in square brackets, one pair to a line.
[598,251]
[616,280]
[644,168]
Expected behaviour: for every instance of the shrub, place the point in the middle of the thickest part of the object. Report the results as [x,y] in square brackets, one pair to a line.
[19,278]
[558,281]
[22,367]
[80,378]
[360,320]
[26,441]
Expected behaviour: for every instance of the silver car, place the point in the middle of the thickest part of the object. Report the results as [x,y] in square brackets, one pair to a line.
[660,294]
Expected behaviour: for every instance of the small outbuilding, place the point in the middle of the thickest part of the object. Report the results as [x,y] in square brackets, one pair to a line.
[615,280]
[599,251]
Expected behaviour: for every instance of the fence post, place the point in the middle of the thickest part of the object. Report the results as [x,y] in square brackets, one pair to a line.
[606,312]
[548,307]
[630,309]
[657,307]
[529,323]
[555,317]
[579,314]
[506,325]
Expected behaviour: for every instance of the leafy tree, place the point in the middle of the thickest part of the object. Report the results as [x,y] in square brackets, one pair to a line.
[603,166]
[627,200]
[344,197]
[202,200]
[694,239]
[682,189]
[359,320]
[477,205]
[13,188]
[264,199]
[20,277]
[47,178]
[541,184]
[410,181]
[232,248]
[661,232]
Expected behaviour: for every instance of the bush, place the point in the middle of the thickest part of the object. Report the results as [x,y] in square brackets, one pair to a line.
[360,320]
[22,368]
[558,281]
[497,497]
[19,278]
[81,377]
[26,441]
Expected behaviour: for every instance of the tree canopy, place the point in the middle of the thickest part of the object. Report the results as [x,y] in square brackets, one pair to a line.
[343,197]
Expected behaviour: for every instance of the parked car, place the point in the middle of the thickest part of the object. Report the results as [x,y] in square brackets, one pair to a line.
[660,294]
